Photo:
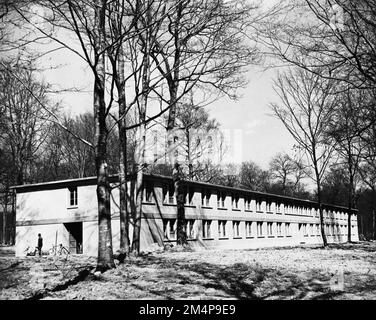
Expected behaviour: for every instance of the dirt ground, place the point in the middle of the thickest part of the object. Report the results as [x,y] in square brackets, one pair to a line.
[345,271]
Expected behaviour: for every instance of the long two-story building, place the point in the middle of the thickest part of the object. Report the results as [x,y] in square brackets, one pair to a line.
[65,212]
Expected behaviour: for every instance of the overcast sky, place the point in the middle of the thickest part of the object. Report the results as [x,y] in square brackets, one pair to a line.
[262,135]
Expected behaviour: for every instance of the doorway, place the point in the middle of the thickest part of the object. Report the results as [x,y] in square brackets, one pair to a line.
[75,237]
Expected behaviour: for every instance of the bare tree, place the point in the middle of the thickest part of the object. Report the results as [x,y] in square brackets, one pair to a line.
[24,126]
[346,130]
[288,172]
[24,123]
[200,144]
[87,22]
[306,110]
[336,36]
[200,46]
[253,177]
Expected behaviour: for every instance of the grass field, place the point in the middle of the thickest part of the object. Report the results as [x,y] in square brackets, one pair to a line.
[345,271]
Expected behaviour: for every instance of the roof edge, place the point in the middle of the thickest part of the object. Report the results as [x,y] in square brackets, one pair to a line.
[115,178]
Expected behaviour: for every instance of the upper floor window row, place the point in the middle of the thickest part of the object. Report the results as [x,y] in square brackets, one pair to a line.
[250,203]
[169,196]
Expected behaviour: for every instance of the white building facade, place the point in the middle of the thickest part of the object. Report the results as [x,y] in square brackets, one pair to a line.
[65,212]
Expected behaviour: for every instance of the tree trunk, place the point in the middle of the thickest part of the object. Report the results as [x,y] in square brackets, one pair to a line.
[13,238]
[139,171]
[349,213]
[5,220]
[139,164]
[181,236]
[324,240]
[189,158]
[123,194]
[138,203]
[105,251]
[351,197]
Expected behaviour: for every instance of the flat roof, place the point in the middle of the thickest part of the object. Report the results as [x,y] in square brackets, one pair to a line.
[50,185]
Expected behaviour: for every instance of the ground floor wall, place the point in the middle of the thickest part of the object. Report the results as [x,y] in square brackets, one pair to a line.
[202,233]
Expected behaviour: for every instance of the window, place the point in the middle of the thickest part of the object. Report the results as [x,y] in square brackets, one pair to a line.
[248,229]
[287,229]
[286,208]
[205,198]
[73,196]
[305,230]
[247,203]
[270,229]
[278,207]
[222,229]
[312,230]
[148,192]
[221,200]
[279,229]
[168,193]
[268,206]
[189,228]
[235,201]
[259,229]
[258,205]
[206,229]
[236,230]
[318,229]
[169,229]
[189,192]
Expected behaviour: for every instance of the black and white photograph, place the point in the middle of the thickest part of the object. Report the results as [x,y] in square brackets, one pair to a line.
[196,151]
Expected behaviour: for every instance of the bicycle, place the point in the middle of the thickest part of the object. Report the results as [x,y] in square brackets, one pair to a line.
[29,252]
[58,250]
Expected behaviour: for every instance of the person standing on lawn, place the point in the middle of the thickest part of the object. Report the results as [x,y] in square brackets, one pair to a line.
[40,244]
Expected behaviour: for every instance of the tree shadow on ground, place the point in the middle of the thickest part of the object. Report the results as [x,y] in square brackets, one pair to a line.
[233,280]
[243,280]
[360,246]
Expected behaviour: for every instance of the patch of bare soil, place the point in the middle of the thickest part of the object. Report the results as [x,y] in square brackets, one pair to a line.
[339,272]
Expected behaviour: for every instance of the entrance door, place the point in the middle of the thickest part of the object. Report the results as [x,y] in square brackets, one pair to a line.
[75,236]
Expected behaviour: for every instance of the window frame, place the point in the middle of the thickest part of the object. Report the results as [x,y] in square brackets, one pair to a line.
[169,229]
[236,229]
[222,232]
[72,195]
[206,232]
